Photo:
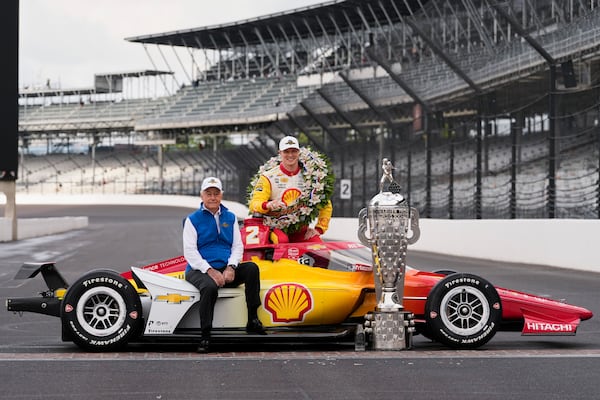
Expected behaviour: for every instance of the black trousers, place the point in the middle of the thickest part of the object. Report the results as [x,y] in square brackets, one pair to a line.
[246,273]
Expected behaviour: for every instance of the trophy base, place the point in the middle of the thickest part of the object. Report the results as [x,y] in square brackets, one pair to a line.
[392,330]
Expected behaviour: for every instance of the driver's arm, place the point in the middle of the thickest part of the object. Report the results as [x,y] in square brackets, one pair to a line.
[261,194]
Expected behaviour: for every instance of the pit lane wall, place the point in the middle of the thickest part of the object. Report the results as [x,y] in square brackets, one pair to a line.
[563,243]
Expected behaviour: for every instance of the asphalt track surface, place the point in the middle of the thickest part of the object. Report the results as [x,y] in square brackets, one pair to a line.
[36,364]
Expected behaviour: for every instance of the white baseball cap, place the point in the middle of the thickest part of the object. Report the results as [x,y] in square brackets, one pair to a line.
[288,142]
[211,181]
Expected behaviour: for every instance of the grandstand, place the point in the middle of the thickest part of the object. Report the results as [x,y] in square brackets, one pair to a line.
[487,109]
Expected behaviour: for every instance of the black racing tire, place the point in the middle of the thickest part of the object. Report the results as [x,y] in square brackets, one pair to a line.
[101,311]
[423,330]
[463,311]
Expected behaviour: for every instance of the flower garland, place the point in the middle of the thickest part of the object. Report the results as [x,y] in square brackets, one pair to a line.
[318,175]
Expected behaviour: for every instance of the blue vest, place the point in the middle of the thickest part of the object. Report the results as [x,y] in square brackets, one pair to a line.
[214,246]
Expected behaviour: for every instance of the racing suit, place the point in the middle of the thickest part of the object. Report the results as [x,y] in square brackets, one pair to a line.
[281,184]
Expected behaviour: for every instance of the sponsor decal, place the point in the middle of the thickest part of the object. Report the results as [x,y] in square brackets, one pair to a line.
[487,330]
[158,327]
[159,331]
[100,342]
[288,302]
[354,246]
[544,327]
[173,298]
[291,196]
[164,264]
[112,340]
[293,253]
[316,247]
[363,268]
[103,279]
[459,281]
[76,331]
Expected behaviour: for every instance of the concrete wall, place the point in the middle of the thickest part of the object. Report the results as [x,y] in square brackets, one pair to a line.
[34,227]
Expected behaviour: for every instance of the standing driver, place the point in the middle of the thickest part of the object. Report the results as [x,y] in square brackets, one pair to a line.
[213,249]
[277,190]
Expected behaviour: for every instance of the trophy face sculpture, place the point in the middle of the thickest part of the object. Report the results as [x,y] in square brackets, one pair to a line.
[388,219]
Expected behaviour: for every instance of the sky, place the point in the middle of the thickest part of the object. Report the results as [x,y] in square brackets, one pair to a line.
[66,42]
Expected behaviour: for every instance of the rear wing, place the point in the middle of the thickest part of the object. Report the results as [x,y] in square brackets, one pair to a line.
[54,280]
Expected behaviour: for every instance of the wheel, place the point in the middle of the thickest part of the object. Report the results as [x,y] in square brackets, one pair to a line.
[463,311]
[101,311]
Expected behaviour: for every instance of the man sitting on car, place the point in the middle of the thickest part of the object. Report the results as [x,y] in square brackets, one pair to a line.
[213,249]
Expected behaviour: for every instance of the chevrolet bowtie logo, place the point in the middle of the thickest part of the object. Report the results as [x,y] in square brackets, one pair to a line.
[175,298]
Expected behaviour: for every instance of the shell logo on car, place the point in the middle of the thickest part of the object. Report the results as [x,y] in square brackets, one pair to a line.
[288,302]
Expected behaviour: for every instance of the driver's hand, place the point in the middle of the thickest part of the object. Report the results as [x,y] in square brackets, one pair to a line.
[310,232]
[216,276]
[275,205]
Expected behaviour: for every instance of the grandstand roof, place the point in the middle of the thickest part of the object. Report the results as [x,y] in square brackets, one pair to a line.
[345,15]
[57,92]
[135,74]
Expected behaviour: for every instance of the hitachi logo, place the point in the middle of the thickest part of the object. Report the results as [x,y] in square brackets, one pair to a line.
[539,326]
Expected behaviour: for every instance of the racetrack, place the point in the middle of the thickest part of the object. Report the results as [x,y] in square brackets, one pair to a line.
[35,363]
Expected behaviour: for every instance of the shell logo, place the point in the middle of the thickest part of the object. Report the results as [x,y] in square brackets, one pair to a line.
[290,196]
[288,302]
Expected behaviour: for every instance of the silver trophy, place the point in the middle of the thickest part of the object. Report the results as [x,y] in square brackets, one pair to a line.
[388,218]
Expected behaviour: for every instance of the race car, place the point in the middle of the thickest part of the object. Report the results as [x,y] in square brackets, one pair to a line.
[308,291]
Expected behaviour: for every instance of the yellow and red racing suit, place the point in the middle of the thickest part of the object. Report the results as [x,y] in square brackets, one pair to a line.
[281,184]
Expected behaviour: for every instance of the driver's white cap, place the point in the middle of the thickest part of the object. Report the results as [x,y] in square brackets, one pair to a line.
[288,142]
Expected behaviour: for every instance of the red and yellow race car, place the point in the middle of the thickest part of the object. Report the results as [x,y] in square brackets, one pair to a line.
[308,290]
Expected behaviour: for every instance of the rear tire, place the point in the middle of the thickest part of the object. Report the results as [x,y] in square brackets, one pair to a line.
[101,311]
[463,311]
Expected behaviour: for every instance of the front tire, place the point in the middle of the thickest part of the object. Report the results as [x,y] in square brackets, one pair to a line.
[463,311]
[101,311]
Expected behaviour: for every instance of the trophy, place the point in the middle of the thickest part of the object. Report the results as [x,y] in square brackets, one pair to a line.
[388,219]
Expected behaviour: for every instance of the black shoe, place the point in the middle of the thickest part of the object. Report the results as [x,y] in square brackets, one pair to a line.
[203,346]
[255,326]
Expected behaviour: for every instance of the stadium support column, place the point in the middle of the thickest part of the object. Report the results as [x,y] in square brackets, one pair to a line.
[451,178]
[161,181]
[424,111]
[552,142]
[515,131]
[479,162]
[552,139]
[9,109]
[303,129]
[382,114]
[362,135]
